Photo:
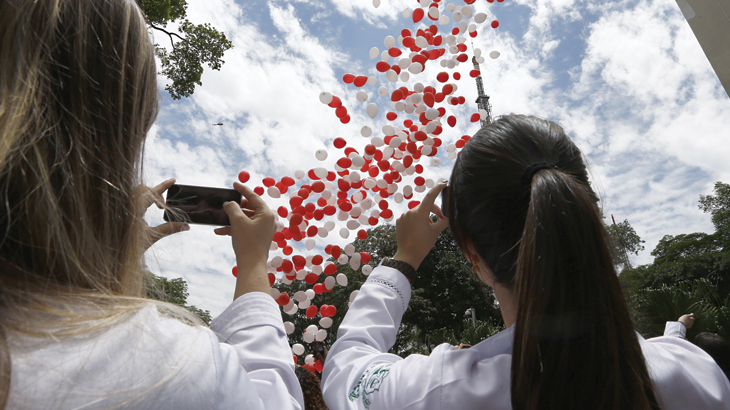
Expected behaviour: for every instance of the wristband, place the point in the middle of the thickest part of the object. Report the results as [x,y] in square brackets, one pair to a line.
[403,267]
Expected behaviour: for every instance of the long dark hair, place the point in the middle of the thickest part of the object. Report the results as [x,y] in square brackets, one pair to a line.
[543,238]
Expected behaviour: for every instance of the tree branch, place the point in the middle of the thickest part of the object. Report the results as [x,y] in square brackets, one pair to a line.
[168,33]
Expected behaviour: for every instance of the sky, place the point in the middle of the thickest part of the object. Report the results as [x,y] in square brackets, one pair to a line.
[626,79]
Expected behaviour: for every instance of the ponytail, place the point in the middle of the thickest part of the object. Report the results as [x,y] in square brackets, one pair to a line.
[574,342]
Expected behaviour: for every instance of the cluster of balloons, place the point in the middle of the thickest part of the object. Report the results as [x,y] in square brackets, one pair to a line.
[359,189]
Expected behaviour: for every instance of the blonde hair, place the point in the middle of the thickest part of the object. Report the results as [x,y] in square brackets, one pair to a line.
[78,94]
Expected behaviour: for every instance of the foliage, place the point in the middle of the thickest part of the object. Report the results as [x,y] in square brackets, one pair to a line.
[624,242]
[173,291]
[192,47]
[654,307]
[444,289]
[473,333]
[690,274]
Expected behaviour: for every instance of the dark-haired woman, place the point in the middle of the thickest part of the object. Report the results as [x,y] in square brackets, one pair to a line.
[522,211]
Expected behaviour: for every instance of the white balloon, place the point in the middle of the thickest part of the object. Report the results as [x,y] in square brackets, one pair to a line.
[482,114]
[329,282]
[289,327]
[389,41]
[325,322]
[309,359]
[308,338]
[372,110]
[435,162]
[273,192]
[275,293]
[424,3]
[433,13]
[404,62]
[352,224]
[329,225]
[376,3]
[406,13]
[494,54]
[480,60]
[480,18]
[299,174]
[343,258]
[350,249]
[374,53]
[361,96]
[321,335]
[344,233]
[415,68]
[450,7]
[354,264]
[462,28]
[456,16]
[467,11]
[477,52]
[418,87]
[310,293]
[325,97]
[300,296]
[293,310]
[421,42]
[404,76]
[391,75]
[444,20]
[305,304]
[431,114]
[297,349]
[309,243]
[321,154]
[398,198]
[452,155]
[377,142]
[372,80]
[366,269]
[321,172]
[342,279]
[311,329]
[472,28]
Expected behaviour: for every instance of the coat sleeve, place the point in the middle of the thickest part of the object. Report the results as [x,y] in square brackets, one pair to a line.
[359,373]
[675,329]
[252,338]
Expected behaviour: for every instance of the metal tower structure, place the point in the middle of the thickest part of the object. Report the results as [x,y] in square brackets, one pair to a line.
[483,99]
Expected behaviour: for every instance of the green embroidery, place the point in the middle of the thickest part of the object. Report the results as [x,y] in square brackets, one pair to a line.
[369,383]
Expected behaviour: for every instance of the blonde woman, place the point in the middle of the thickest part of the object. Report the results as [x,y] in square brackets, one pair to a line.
[78,94]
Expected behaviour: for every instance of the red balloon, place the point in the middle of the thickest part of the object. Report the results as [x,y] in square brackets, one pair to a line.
[391,116]
[339,143]
[475,117]
[341,111]
[336,252]
[269,182]
[448,89]
[288,181]
[311,278]
[495,24]
[473,34]
[442,77]
[318,288]
[461,47]
[386,214]
[455,31]
[382,66]
[405,32]
[317,260]
[235,271]
[397,95]
[244,176]
[457,76]
[360,80]
[336,102]
[330,269]
[362,234]
[413,204]
[283,299]
[299,260]
[474,73]
[394,52]
[417,15]
[318,366]
[311,312]
[272,279]
[348,78]
[462,57]
[429,99]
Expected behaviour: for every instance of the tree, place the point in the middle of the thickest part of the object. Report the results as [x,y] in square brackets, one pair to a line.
[173,291]
[624,242]
[445,288]
[192,47]
[690,273]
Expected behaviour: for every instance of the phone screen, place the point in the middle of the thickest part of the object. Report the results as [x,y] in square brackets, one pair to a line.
[199,205]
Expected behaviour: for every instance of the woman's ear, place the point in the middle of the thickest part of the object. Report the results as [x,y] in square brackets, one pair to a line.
[479,268]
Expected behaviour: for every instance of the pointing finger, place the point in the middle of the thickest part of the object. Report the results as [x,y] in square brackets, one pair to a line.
[431,196]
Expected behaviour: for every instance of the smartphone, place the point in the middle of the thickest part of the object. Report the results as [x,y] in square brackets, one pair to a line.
[199,205]
[445,201]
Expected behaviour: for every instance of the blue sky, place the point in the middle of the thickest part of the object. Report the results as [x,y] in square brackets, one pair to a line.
[627,79]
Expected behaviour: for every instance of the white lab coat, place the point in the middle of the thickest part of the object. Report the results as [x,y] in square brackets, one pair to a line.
[154,362]
[359,374]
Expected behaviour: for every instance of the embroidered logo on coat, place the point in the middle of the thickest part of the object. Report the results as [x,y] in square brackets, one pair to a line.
[369,383]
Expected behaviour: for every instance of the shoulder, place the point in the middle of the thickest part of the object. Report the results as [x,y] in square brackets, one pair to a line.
[148,359]
[684,375]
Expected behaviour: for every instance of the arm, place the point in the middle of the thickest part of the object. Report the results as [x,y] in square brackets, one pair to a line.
[254,345]
[679,328]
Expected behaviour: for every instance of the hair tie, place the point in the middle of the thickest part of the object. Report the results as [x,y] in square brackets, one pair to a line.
[526,179]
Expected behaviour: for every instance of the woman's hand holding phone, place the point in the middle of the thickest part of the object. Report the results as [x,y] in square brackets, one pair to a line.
[149,196]
[251,237]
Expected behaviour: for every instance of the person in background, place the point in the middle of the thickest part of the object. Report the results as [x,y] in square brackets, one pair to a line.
[521,209]
[311,388]
[78,94]
[716,346]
